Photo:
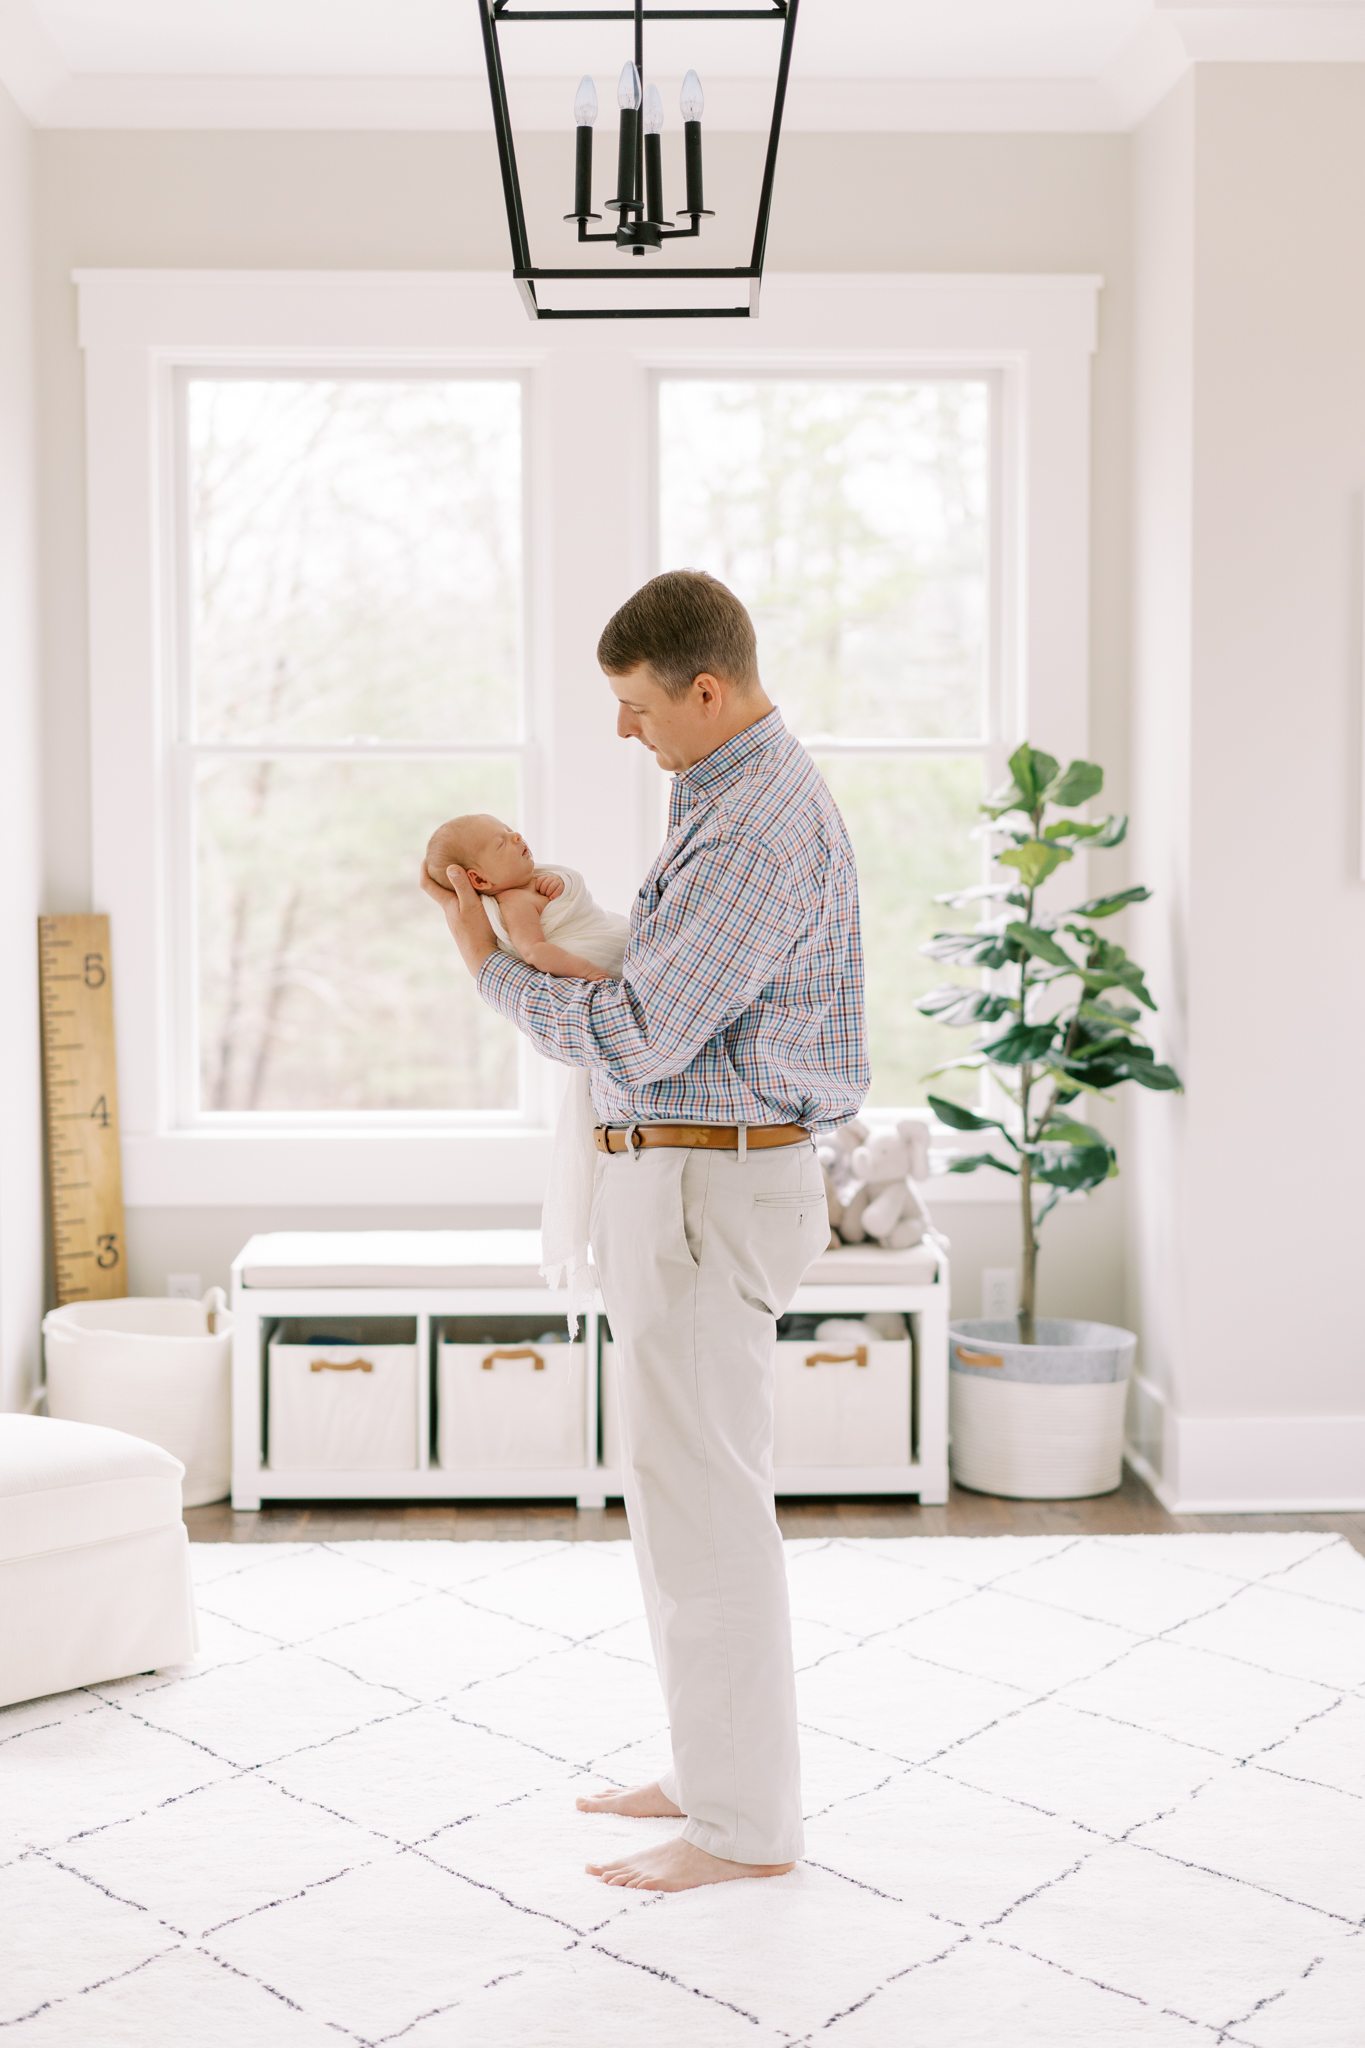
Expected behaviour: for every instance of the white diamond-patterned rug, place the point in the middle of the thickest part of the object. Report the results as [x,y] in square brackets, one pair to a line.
[1059,1791]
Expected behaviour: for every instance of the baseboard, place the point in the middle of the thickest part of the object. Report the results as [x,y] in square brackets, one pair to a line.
[1246,1464]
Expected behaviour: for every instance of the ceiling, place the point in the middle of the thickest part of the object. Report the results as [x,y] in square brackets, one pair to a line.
[866,64]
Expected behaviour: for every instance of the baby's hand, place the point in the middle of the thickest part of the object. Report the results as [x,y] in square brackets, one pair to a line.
[549,886]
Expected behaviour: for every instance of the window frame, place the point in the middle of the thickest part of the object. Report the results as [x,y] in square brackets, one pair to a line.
[591,533]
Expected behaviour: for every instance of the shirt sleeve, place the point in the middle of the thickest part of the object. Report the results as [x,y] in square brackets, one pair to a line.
[715,938]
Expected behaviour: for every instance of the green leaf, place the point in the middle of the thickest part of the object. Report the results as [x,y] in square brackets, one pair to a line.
[1108,966]
[1114,831]
[1032,772]
[1036,859]
[1078,1166]
[1105,906]
[959,1119]
[1076,828]
[952,1004]
[1154,1075]
[1064,1132]
[1020,1043]
[1031,939]
[1097,1009]
[975,1159]
[1113,1059]
[972,949]
[1076,785]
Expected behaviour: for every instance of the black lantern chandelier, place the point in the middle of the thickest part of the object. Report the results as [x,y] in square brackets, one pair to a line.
[638,201]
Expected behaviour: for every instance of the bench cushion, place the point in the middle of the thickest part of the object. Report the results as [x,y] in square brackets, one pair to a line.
[501,1258]
[868,1265]
[66,1484]
[393,1258]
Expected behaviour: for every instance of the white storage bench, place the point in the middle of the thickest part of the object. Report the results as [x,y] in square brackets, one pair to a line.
[434,1365]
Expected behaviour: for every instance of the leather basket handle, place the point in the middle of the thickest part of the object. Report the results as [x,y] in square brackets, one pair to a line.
[523,1351]
[340,1365]
[858,1357]
[977,1357]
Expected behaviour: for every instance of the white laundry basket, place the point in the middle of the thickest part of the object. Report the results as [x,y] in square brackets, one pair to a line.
[154,1368]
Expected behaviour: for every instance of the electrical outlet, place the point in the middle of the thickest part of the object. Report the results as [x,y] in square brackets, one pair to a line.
[999,1293]
[184,1287]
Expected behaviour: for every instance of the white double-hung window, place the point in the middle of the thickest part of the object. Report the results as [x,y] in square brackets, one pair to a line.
[352,541]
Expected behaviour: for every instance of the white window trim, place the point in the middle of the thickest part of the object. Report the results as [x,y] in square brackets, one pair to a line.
[589,436]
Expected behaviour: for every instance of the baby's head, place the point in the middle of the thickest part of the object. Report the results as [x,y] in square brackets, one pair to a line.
[494,855]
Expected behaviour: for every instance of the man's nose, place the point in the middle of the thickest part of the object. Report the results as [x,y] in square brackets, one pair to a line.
[627,728]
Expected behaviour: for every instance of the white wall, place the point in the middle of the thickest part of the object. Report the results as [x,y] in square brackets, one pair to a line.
[907,202]
[21,1183]
[1251,432]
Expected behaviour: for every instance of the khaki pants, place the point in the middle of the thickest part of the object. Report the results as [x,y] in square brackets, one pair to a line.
[698,1254]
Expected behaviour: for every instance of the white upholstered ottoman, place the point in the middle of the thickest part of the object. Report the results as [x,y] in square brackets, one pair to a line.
[94,1557]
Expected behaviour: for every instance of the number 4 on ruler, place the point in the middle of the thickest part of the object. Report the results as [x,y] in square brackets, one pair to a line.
[81,1086]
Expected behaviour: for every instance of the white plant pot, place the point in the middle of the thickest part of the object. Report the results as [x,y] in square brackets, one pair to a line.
[1038,1421]
[150,1367]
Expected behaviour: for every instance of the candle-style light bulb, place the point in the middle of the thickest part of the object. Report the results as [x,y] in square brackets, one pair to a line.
[692,101]
[654,111]
[584,113]
[628,99]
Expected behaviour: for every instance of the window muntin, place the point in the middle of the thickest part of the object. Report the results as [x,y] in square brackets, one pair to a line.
[351,674]
[854,519]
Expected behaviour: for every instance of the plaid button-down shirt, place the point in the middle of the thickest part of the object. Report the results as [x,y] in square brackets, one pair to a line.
[741,999]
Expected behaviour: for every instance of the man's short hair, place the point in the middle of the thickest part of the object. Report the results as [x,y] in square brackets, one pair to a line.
[681,625]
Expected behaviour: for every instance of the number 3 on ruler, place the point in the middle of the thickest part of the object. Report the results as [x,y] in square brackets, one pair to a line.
[108,1250]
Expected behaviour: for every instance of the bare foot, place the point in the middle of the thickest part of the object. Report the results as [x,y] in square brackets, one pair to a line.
[646,1802]
[679,1866]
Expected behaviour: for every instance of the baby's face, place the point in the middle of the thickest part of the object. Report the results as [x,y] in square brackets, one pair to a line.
[501,856]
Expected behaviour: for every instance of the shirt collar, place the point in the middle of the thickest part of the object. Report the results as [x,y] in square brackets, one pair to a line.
[730,760]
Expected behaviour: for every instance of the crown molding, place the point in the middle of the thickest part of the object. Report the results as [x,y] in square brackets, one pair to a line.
[814,106]
[1122,94]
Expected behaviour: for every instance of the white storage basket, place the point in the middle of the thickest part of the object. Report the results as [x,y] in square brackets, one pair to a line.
[842,1404]
[509,1401]
[154,1368]
[834,1404]
[342,1396]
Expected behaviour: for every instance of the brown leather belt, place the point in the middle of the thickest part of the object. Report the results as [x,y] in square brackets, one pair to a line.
[712,1137]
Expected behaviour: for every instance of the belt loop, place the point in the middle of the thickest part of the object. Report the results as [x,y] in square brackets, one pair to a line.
[743,1143]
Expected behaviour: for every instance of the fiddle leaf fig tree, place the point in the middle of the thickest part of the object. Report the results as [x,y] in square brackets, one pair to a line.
[1059,1017]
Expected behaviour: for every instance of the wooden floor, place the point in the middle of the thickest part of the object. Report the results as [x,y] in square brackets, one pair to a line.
[1132,1511]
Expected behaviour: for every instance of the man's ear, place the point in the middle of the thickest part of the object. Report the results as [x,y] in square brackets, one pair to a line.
[710,690]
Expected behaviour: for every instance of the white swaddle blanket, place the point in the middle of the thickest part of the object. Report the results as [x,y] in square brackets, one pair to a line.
[574,921]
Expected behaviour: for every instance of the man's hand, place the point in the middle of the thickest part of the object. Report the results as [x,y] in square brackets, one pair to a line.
[549,886]
[464,914]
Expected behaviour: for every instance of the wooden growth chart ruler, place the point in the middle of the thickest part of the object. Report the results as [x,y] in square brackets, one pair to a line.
[84,1169]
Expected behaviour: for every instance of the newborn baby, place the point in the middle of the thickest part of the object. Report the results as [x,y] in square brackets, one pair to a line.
[517,895]
[546,917]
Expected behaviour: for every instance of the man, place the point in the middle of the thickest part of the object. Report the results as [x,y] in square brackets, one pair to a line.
[735,1029]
